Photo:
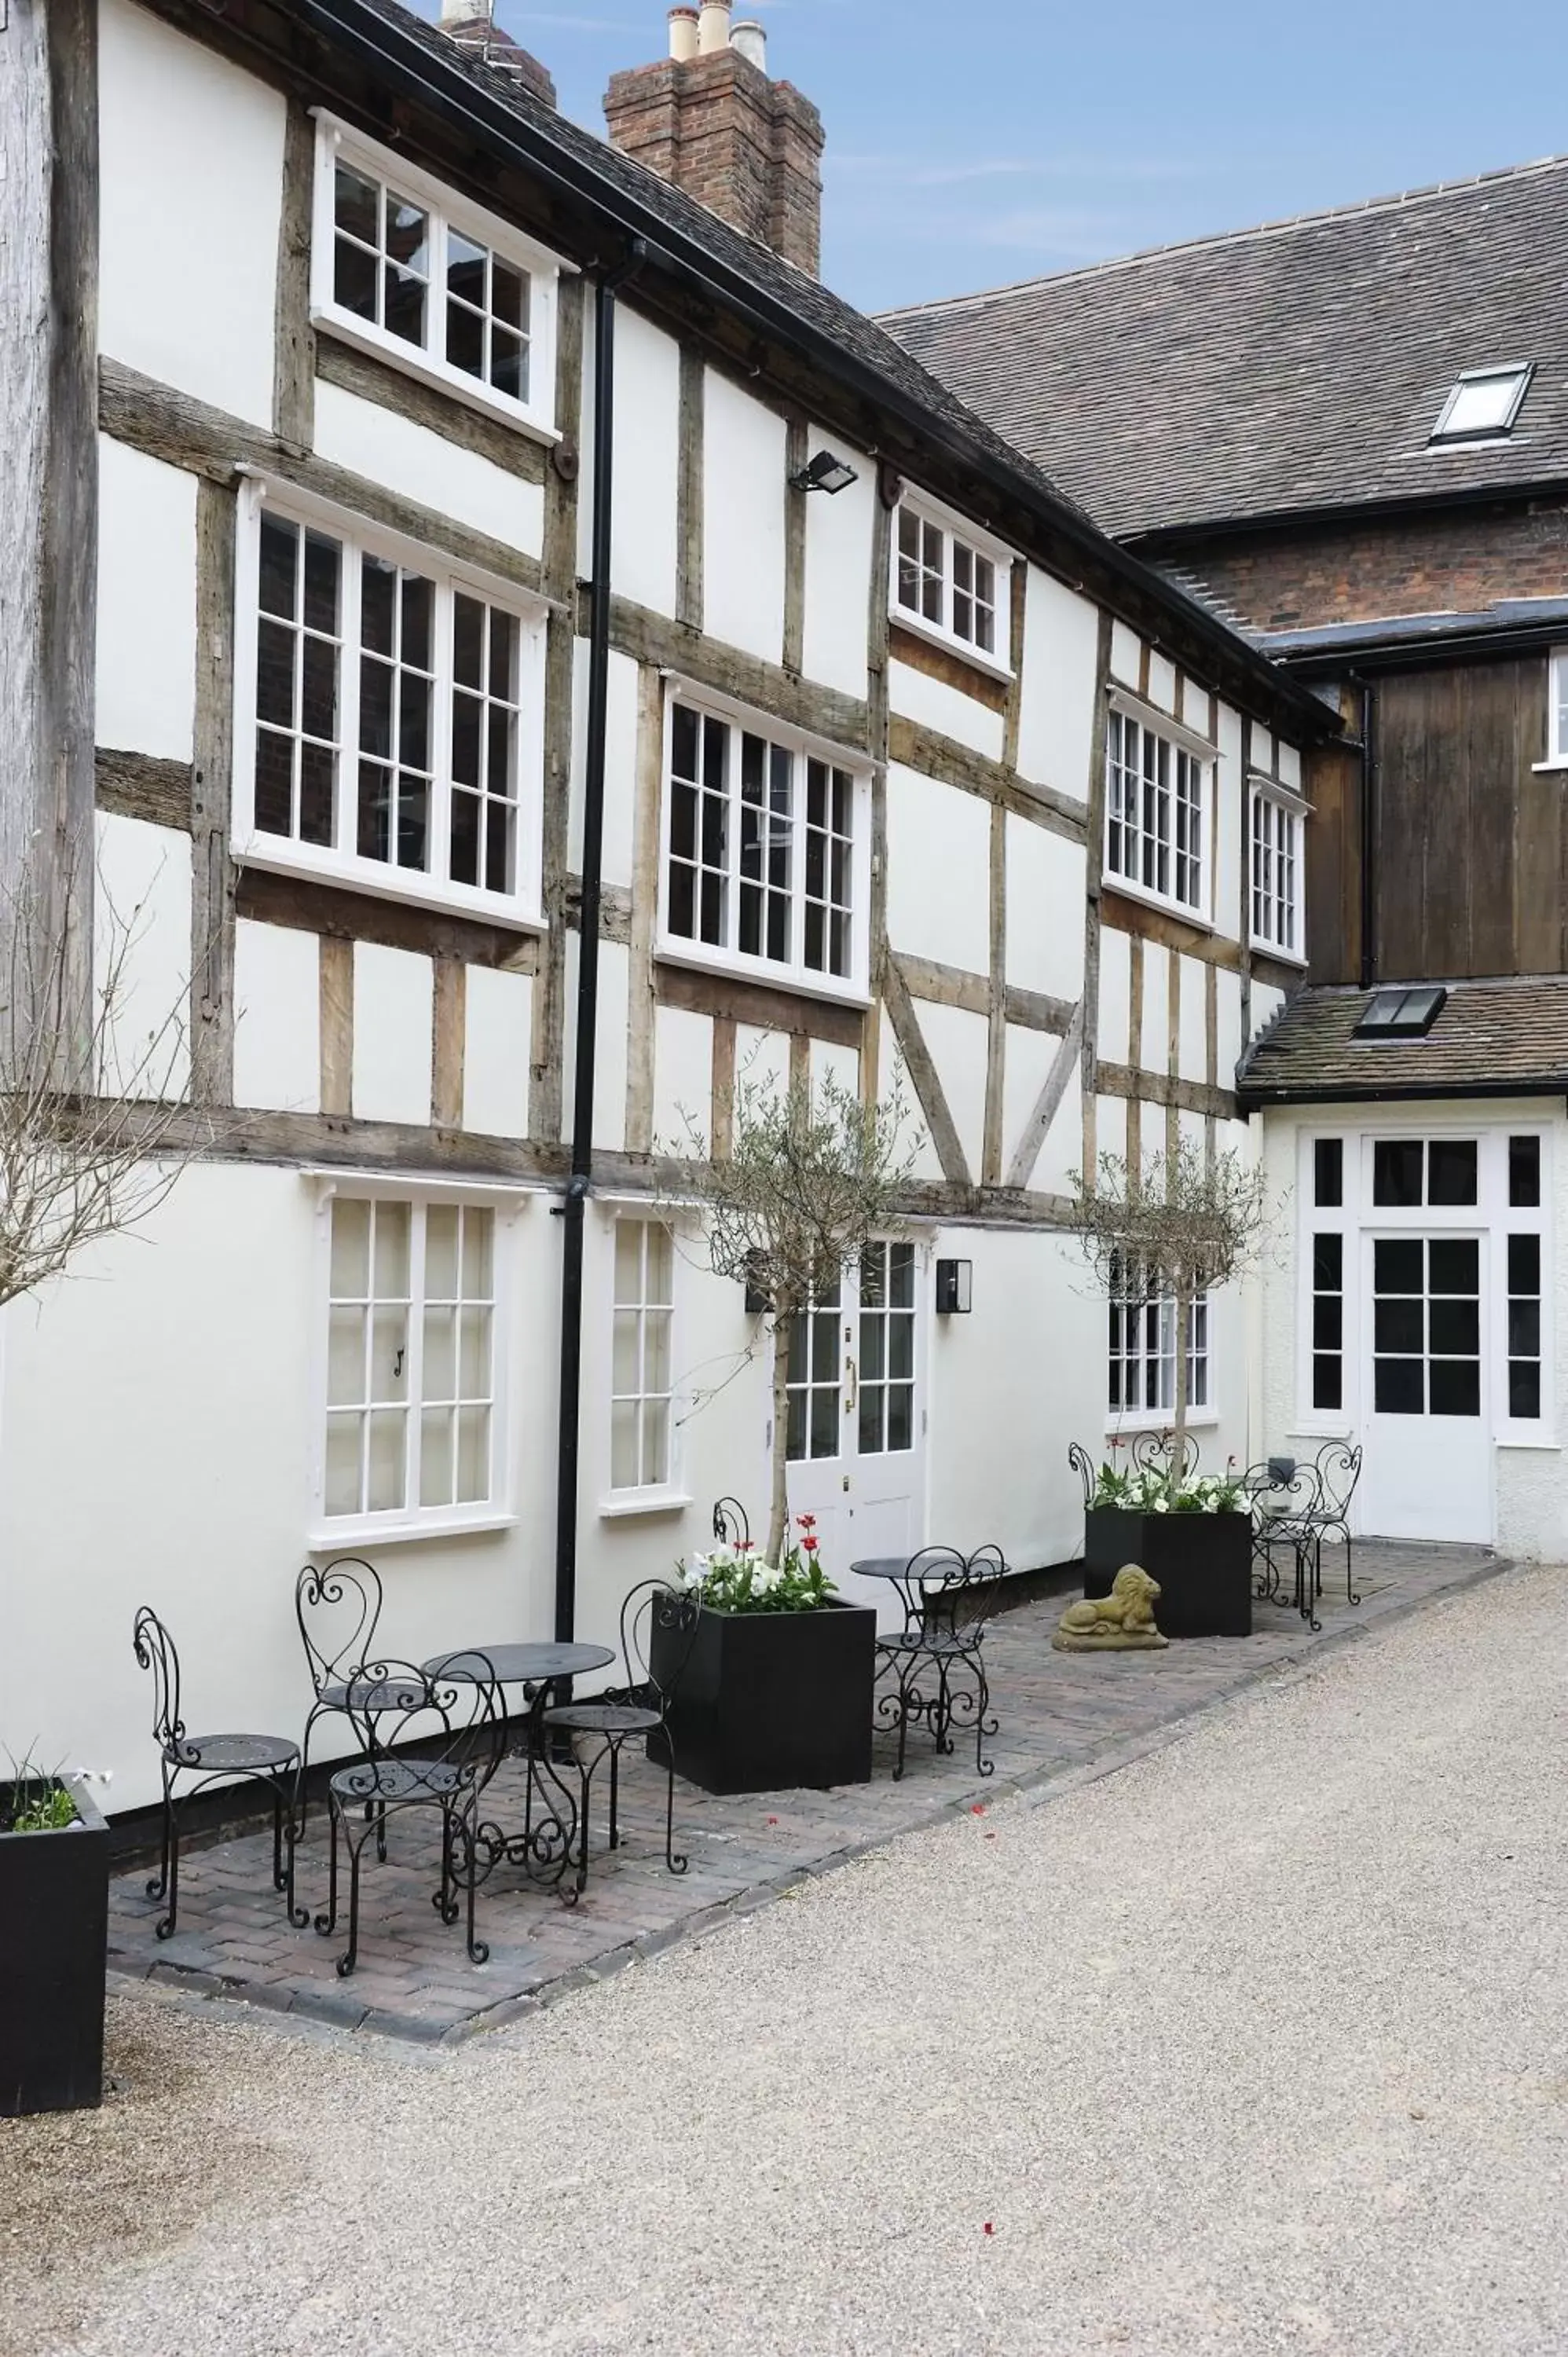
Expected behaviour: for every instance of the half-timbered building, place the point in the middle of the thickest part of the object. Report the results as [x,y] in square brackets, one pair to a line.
[531,658]
[1358,451]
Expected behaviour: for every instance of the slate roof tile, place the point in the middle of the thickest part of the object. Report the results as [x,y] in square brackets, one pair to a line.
[1490,1036]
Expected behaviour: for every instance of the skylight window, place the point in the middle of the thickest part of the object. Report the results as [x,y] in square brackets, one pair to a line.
[1483,404]
[1400,1013]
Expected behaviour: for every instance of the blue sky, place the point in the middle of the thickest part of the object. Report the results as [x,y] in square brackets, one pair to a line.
[973,141]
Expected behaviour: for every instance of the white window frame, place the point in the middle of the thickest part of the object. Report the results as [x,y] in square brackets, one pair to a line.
[342,863]
[1290,813]
[1205,754]
[794,974]
[1491,1216]
[997,661]
[336,142]
[1556,710]
[408,1522]
[1521,373]
[669,1496]
[1201,1418]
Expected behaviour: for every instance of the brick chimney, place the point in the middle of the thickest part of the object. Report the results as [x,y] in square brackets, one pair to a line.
[708,117]
[471,24]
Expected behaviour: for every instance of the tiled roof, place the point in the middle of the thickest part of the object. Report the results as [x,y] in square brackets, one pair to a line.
[1293,367]
[1493,1038]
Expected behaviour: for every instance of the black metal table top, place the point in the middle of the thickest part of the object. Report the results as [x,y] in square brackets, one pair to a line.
[516,1665]
[897,1566]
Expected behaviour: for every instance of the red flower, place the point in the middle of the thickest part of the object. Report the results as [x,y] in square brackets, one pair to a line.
[744,1546]
[807,1522]
[773,1821]
[977,1808]
[988,2228]
[810,1545]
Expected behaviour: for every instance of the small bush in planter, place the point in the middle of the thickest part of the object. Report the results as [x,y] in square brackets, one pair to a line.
[777,1690]
[1155,1490]
[35,1803]
[54,1922]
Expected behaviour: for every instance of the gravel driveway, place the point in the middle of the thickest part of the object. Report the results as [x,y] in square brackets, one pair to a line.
[1259,2045]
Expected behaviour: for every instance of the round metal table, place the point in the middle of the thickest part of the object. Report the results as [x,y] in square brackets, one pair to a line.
[520,1666]
[542,1845]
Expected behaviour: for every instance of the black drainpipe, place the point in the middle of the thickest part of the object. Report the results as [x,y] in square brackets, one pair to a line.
[1368,837]
[580,1182]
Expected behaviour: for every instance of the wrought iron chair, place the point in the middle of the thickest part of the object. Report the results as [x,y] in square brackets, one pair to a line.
[732,1524]
[1088,1472]
[1283,1496]
[938,1659]
[1155,1452]
[1337,1466]
[431,1740]
[270,1759]
[658,1631]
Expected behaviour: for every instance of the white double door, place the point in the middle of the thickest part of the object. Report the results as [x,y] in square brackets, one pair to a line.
[857,1418]
[1428,1468]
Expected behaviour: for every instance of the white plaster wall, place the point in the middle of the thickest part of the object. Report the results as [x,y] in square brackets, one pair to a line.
[1126,651]
[609,1067]
[142,956]
[1110,1126]
[761,1058]
[1045,911]
[1115,982]
[621,763]
[837,573]
[1056,710]
[939,871]
[1154,1044]
[277,1026]
[1028,1059]
[182,1357]
[1162,683]
[378,444]
[932,704]
[1290,765]
[1193,1036]
[1062,1153]
[682,1080]
[828,1057]
[147,603]
[497,1036]
[646,441]
[191,158]
[1266,1004]
[744,492]
[956,1041]
[1197,706]
[393,991]
[1229,1026]
[1228,850]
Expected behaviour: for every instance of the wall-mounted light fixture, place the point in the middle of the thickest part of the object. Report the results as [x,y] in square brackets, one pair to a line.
[955,1288]
[826,472]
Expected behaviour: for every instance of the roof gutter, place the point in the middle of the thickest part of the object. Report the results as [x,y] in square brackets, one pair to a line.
[1476,643]
[403,60]
[1264,1100]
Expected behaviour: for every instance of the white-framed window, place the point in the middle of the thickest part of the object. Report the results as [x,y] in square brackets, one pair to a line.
[411,1431]
[1557,708]
[1484,404]
[411,271]
[951,582]
[389,714]
[1278,876]
[642,1370]
[1143,1354]
[765,849]
[1158,792]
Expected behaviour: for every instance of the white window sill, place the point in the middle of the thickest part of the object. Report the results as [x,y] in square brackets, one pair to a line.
[385,882]
[966,651]
[1109,881]
[1557,766]
[366,336]
[643,1501]
[1273,950]
[394,1530]
[1543,1442]
[1203,1419]
[737,967]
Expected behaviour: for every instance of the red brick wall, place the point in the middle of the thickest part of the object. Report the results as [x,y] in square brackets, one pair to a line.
[747,147]
[1460,562]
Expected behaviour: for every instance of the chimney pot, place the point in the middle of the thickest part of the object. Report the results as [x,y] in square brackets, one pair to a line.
[467,12]
[713,27]
[749,40]
[683,35]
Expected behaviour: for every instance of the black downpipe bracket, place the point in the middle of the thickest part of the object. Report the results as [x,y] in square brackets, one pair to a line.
[580,1183]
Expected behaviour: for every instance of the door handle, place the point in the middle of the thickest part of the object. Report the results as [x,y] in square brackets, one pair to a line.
[852,1368]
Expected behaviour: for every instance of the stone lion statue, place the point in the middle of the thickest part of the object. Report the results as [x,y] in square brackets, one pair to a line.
[1121,1622]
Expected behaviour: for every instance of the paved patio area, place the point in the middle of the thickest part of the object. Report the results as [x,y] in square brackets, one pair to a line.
[1062,1717]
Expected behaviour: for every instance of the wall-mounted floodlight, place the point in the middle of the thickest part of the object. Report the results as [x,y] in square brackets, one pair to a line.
[955,1288]
[826,472]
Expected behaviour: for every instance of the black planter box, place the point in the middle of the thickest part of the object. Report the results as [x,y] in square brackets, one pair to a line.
[772,1700]
[1203,1563]
[54,1935]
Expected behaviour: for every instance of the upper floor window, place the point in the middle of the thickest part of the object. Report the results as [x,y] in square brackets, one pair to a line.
[950,583]
[1557,707]
[411,1436]
[1483,404]
[1157,810]
[1276,873]
[764,855]
[388,721]
[416,274]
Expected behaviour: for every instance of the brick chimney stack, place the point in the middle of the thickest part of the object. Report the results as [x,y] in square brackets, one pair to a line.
[471,24]
[708,118]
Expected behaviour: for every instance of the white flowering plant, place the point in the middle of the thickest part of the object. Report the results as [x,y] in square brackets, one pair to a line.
[1159,1489]
[738,1579]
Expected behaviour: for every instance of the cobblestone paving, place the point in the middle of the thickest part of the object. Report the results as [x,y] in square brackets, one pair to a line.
[1061,1716]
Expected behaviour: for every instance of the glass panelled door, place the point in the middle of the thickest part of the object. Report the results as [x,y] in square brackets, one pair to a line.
[1428,1459]
[856,1418]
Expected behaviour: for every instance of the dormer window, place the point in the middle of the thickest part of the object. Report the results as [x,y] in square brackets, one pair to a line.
[1484,404]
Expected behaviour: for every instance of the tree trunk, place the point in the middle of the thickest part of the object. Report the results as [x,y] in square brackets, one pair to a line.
[1179,1430]
[778,1511]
